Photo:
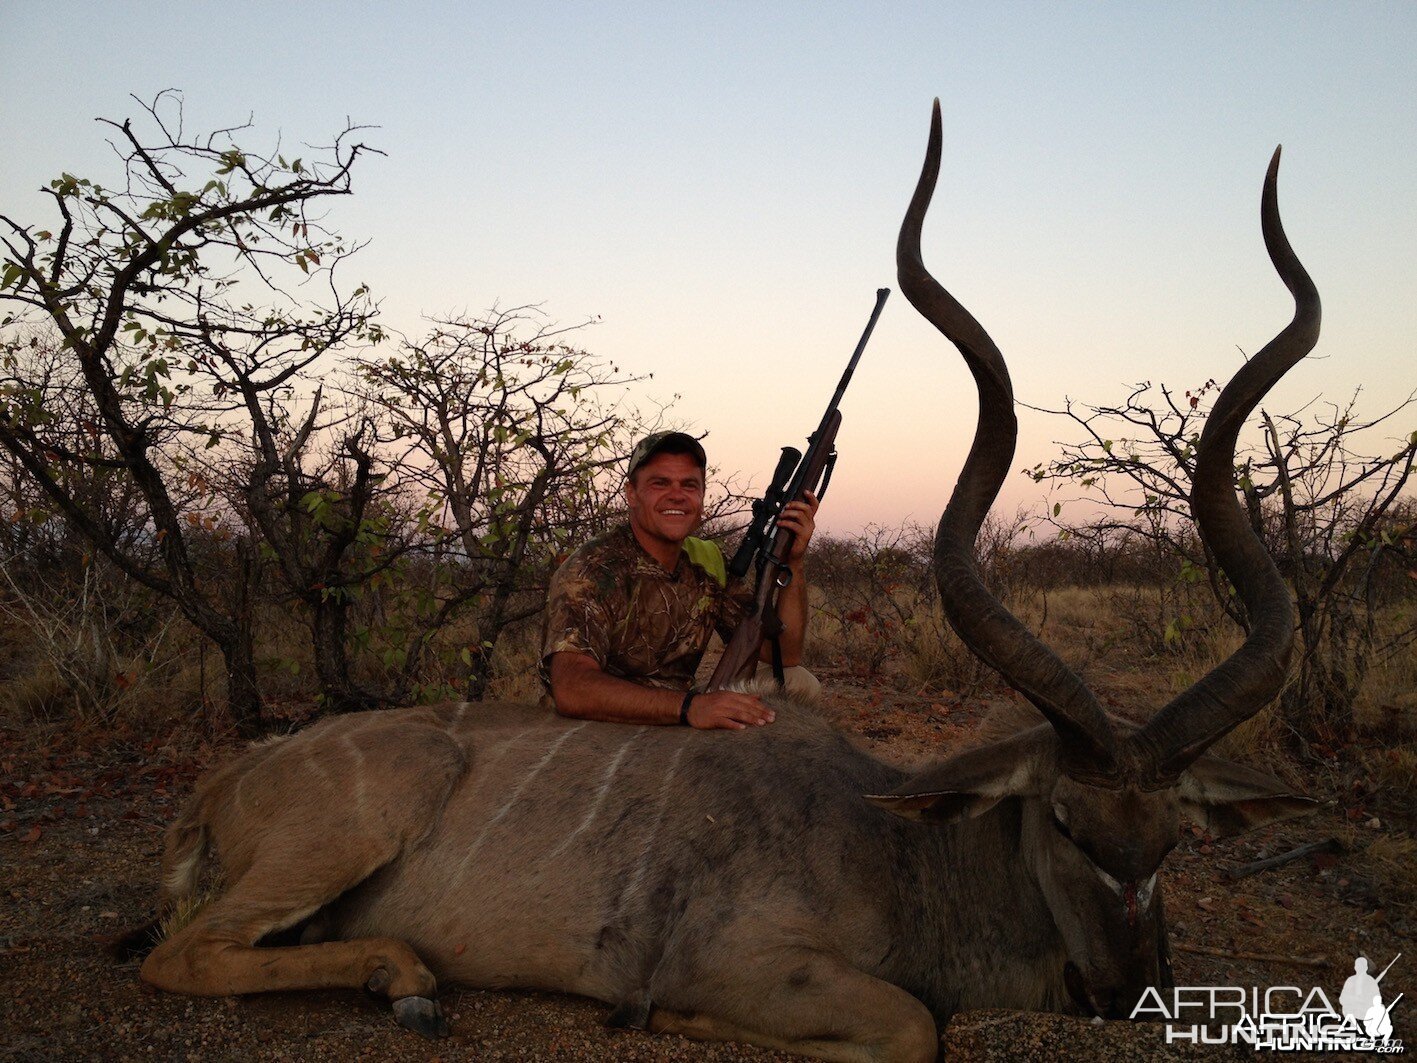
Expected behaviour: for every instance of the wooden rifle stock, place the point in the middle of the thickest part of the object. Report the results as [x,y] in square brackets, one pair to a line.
[740,656]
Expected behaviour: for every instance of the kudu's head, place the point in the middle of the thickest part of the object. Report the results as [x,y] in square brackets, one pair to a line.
[1101,801]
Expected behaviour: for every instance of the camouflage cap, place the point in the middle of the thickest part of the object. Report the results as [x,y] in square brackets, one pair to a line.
[652,444]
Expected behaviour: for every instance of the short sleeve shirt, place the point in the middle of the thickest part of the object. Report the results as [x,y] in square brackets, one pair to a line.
[616,604]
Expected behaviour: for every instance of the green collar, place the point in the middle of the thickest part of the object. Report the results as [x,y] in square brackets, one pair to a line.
[706,554]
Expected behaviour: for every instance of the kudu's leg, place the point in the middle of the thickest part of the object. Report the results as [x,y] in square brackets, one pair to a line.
[816,1005]
[216,953]
[303,844]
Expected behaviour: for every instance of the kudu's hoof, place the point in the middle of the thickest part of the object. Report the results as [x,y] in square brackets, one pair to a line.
[422,1016]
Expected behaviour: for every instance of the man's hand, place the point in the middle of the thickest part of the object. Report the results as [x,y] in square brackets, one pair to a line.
[728,709]
[798,518]
[582,691]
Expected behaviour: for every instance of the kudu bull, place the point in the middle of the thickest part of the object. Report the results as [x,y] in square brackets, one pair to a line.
[741,886]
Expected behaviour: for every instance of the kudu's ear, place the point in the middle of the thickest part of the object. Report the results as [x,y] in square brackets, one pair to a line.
[1228,798]
[972,782]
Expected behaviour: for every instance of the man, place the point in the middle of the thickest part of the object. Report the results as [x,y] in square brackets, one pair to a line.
[630,612]
[1358,991]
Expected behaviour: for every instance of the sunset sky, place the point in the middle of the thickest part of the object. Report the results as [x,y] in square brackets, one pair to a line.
[720,185]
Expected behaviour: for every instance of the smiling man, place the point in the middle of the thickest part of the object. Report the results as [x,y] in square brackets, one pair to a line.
[630,612]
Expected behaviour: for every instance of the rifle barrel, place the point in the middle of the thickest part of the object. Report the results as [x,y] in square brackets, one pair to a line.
[881,294]
[1388,967]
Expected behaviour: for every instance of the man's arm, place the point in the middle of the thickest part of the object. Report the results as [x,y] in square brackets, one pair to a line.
[583,691]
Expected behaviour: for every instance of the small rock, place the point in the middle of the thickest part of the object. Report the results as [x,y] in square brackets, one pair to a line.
[1374,823]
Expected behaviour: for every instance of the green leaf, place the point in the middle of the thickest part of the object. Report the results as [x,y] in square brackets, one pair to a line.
[1172,635]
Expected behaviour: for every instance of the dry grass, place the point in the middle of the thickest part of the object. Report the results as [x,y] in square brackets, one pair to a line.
[36,698]
[185,909]
[1396,769]
[1113,636]
[515,676]
[1257,741]
[1388,863]
[1387,704]
[1391,777]
[158,689]
[184,679]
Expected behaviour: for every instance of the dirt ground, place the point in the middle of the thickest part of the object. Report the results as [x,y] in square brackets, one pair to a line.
[80,834]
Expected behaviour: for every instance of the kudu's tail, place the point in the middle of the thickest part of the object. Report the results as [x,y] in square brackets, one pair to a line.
[184,852]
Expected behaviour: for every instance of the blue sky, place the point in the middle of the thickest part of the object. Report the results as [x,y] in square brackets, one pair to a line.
[722,183]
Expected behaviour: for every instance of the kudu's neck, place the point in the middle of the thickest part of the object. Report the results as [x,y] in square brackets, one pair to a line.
[970,924]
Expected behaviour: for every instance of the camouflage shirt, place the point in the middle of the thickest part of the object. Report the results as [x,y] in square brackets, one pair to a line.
[615,603]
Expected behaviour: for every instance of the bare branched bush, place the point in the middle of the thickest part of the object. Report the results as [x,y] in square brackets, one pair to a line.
[504,440]
[1323,489]
[876,607]
[174,291]
[162,342]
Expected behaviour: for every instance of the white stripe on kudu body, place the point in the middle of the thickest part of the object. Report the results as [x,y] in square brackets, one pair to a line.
[647,846]
[357,774]
[600,795]
[516,794]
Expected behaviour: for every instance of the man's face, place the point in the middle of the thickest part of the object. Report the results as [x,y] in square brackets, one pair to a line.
[666,497]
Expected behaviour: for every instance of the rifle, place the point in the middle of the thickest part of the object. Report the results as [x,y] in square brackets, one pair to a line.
[767,545]
[1380,977]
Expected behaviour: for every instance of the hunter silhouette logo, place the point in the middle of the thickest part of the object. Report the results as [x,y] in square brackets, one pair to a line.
[1281,1018]
[1362,1000]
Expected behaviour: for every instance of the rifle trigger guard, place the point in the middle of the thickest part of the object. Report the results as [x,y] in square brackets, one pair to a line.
[783,577]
